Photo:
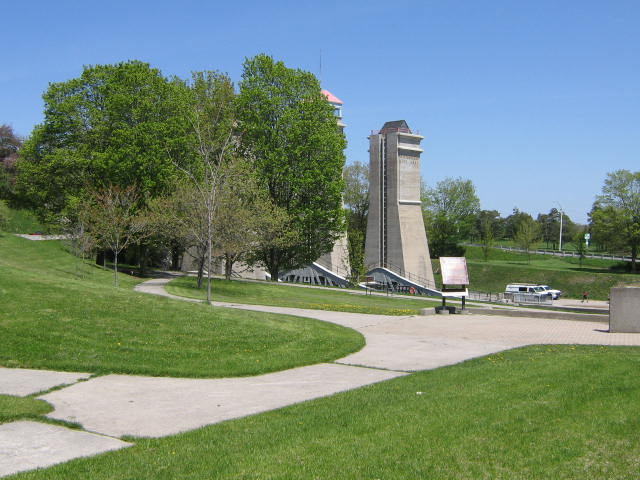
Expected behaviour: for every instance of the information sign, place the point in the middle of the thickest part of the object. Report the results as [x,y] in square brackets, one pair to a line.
[454,271]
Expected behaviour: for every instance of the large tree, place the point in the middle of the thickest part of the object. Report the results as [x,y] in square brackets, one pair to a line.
[527,234]
[115,124]
[211,120]
[615,216]
[10,143]
[112,218]
[449,211]
[290,133]
[356,201]
[245,218]
[550,227]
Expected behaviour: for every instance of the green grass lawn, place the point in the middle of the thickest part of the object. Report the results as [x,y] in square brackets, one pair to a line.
[563,273]
[258,293]
[17,408]
[24,221]
[545,412]
[51,319]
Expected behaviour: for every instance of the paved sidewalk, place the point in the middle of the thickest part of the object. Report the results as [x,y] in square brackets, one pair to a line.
[22,381]
[27,445]
[118,405]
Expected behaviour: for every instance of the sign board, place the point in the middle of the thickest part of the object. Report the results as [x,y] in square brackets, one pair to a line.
[454,271]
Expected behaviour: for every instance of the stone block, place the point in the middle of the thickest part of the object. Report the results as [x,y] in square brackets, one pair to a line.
[624,310]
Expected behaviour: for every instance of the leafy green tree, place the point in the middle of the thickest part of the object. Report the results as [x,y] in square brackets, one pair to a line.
[211,120]
[245,219]
[449,211]
[10,143]
[512,223]
[488,219]
[356,201]
[615,216]
[487,237]
[581,246]
[180,221]
[290,133]
[115,124]
[527,234]
[550,227]
[112,218]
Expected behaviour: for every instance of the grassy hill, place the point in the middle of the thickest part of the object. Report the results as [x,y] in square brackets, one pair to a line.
[564,273]
[50,318]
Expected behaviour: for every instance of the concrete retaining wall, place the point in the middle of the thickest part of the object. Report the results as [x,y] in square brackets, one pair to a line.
[624,310]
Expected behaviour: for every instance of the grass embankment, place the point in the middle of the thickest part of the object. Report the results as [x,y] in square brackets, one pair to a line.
[23,221]
[258,293]
[538,412]
[563,273]
[51,319]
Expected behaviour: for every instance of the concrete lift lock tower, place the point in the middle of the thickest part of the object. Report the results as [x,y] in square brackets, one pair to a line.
[396,237]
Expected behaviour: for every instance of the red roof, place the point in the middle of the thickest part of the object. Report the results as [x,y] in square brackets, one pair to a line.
[331,97]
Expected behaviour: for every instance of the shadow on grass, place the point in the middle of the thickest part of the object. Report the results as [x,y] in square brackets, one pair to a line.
[590,270]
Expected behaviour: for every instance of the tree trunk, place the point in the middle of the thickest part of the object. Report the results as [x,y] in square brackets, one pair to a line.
[228,266]
[100,258]
[273,265]
[143,259]
[200,271]
[209,263]
[115,268]
[176,255]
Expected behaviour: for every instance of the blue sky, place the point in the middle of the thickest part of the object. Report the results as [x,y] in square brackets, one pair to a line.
[534,101]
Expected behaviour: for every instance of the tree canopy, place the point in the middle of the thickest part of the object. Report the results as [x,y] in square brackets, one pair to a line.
[356,201]
[291,135]
[115,124]
[615,216]
[449,210]
[10,144]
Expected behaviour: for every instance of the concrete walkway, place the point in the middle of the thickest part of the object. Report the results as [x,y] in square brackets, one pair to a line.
[116,405]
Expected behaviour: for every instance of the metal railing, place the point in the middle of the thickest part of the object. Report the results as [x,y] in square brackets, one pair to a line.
[343,272]
[529,298]
[558,253]
[417,279]
[485,297]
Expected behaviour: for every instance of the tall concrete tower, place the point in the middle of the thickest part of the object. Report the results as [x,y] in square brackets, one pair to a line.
[396,237]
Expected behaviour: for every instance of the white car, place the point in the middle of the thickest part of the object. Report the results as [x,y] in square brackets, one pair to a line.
[554,293]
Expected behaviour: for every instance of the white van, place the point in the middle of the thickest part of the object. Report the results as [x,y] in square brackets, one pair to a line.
[527,288]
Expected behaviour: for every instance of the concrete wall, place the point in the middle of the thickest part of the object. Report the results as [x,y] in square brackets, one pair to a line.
[337,260]
[372,247]
[624,310]
[395,250]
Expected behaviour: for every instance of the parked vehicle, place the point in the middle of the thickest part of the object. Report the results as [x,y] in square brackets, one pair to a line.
[527,293]
[530,289]
[554,293]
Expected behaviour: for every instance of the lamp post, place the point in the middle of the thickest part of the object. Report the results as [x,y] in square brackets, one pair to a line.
[561,215]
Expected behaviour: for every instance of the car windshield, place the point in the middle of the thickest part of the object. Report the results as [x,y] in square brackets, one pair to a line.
[539,289]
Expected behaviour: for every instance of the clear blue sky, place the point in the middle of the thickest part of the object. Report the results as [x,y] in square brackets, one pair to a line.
[534,101]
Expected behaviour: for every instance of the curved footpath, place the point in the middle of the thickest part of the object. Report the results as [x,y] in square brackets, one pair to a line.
[111,406]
